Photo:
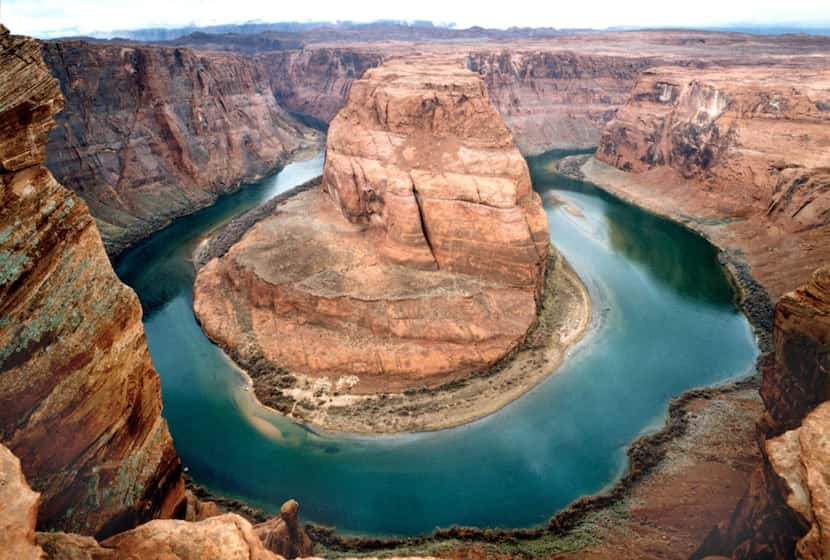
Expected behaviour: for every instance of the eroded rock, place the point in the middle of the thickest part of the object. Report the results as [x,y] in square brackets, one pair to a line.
[80,401]
[419,261]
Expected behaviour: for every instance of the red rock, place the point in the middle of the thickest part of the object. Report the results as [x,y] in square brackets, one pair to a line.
[153,133]
[79,399]
[282,535]
[18,512]
[421,262]
[740,153]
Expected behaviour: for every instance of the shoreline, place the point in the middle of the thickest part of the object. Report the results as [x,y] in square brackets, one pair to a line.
[583,524]
[753,299]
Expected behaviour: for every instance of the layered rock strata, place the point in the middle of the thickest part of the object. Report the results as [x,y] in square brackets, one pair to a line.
[153,133]
[419,261]
[739,152]
[557,99]
[784,513]
[80,401]
[316,81]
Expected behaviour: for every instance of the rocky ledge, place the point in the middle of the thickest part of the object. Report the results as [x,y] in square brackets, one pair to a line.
[80,402]
[419,262]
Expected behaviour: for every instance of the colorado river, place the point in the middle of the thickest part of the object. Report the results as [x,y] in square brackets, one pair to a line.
[664,322]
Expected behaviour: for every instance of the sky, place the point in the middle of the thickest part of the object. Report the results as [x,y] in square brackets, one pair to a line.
[46,18]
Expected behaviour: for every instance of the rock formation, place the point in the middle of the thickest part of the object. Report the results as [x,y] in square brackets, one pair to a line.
[19,512]
[421,259]
[79,399]
[785,512]
[741,150]
[152,133]
[283,535]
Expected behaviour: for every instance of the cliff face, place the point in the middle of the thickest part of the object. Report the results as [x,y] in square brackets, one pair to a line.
[421,259]
[152,133]
[547,99]
[743,150]
[556,99]
[785,512]
[316,81]
[79,399]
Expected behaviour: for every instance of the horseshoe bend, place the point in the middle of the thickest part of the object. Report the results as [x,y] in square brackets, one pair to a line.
[325,290]
[421,260]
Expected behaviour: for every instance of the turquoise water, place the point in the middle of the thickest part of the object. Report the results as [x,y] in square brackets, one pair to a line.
[664,322]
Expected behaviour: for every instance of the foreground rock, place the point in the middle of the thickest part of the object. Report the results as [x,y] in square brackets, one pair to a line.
[79,399]
[420,261]
[152,133]
[283,535]
[19,512]
[739,153]
[785,511]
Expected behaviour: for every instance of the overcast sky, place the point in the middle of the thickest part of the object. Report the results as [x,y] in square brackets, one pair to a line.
[45,18]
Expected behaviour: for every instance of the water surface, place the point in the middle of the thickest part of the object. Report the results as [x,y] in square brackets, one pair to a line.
[664,322]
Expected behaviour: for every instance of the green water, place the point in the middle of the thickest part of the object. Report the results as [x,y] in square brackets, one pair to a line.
[664,321]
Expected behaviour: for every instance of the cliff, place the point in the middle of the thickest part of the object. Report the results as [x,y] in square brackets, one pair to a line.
[785,511]
[79,399]
[741,151]
[556,99]
[153,133]
[315,81]
[419,261]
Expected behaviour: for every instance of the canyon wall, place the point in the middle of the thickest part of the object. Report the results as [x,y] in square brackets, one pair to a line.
[740,152]
[785,513]
[547,99]
[316,81]
[80,401]
[420,260]
[153,133]
[556,99]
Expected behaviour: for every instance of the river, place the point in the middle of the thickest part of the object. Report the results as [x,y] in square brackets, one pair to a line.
[664,321]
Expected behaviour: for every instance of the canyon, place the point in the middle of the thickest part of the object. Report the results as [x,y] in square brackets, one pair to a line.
[725,133]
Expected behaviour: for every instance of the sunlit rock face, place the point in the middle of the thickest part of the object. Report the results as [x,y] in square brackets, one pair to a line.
[152,133]
[79,399]
[419,261]
[745,147]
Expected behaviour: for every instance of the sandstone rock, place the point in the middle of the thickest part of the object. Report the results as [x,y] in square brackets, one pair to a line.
[421,157]
[800,377]
[785,512]
[199,510]
[18,512]
[228,536]
[316,81]
[283,535]
[555,99]
[153,133]
[738,151]
[420,262]
[79,398]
